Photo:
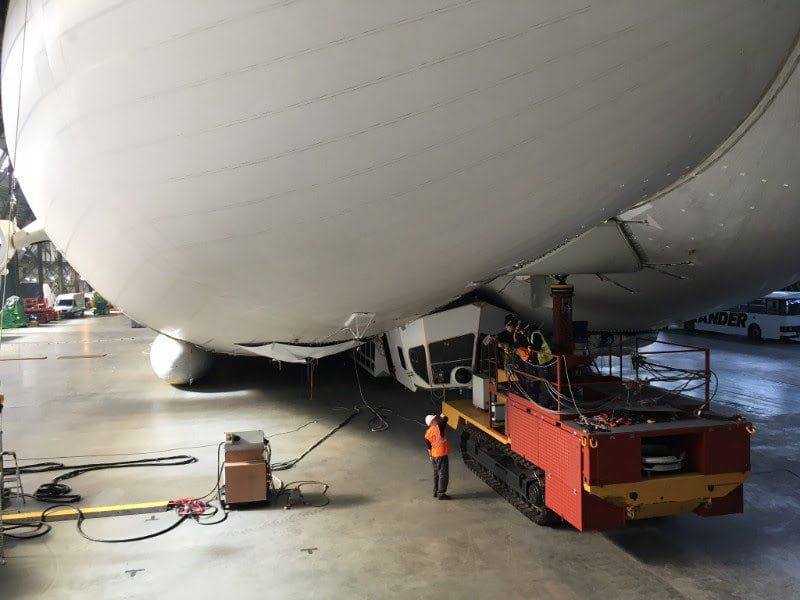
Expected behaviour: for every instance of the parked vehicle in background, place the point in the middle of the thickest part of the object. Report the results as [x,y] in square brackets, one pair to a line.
[38,301]
[70,305]
[37,290]
[38,310]
[773,317]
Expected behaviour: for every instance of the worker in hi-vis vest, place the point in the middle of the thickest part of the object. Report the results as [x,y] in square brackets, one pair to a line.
[438,448]
[538,344]
[544,357]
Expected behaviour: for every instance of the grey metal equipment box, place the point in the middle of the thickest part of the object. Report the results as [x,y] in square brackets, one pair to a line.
[246,468]
[244,445]
[480,392]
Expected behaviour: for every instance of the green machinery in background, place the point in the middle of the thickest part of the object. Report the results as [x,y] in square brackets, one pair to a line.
[13,313]
[101,306]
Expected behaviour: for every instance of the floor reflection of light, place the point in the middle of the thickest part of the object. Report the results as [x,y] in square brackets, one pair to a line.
[223,395]
[85,340]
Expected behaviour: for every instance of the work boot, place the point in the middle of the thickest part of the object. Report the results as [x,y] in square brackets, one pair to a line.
[444,496]
[435,494]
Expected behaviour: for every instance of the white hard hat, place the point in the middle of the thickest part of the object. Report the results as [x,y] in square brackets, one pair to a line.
[429,419]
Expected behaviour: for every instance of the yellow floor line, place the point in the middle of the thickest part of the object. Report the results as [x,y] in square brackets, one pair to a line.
[66,513]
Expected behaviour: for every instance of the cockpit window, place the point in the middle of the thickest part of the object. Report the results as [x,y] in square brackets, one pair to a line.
[66,302]
[419,362]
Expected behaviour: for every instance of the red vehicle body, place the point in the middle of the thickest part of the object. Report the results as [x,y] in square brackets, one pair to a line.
[562,436]
[38,309]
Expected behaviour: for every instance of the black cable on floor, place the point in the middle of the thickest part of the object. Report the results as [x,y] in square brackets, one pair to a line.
[39,529]
[56,492]
[298,485]
[42,527]
[282,466]
[377,422]
[139,538]
[162,451]
[220,466]
[142,452]
[218,521]
[436,400]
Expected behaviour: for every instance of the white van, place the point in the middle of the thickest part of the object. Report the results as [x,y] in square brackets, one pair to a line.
[772,317]
[70,305]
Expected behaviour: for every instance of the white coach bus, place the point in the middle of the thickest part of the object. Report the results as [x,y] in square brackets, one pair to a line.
[775,316]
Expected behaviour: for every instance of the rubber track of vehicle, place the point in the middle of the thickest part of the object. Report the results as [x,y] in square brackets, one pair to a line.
[526,508]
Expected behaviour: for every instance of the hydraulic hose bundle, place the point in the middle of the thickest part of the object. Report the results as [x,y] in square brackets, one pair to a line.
[57,492]
[60,496]
[686,380]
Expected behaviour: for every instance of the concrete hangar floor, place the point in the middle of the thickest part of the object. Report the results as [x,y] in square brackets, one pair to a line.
[382,535]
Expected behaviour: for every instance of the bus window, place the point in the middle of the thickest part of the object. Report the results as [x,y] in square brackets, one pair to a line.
[402,358]
[776,307]
[419,362]
[783,322]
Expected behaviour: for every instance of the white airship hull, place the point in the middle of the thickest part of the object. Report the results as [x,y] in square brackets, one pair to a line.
[244,173]
[726,233]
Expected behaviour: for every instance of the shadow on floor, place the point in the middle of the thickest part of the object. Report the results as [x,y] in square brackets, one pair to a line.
[481,495]
[234,373]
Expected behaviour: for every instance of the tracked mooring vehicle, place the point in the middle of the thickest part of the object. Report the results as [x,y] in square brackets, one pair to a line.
[588,438]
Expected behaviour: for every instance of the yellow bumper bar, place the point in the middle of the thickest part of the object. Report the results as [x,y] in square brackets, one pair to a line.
[457,411]
[67,513]
[667,494]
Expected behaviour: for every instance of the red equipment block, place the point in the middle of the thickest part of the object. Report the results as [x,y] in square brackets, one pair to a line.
[618,461]
[725,450]
[570,458]
[597,514]
[522,423]
[558,451]
[562,460]
[560,454]
[731,504]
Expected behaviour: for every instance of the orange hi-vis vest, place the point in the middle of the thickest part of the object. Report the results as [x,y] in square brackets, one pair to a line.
[523,353]
[439,445]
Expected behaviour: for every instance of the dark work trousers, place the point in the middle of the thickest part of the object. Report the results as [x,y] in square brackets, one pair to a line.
[535,386]
[531,386]
[441,474]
